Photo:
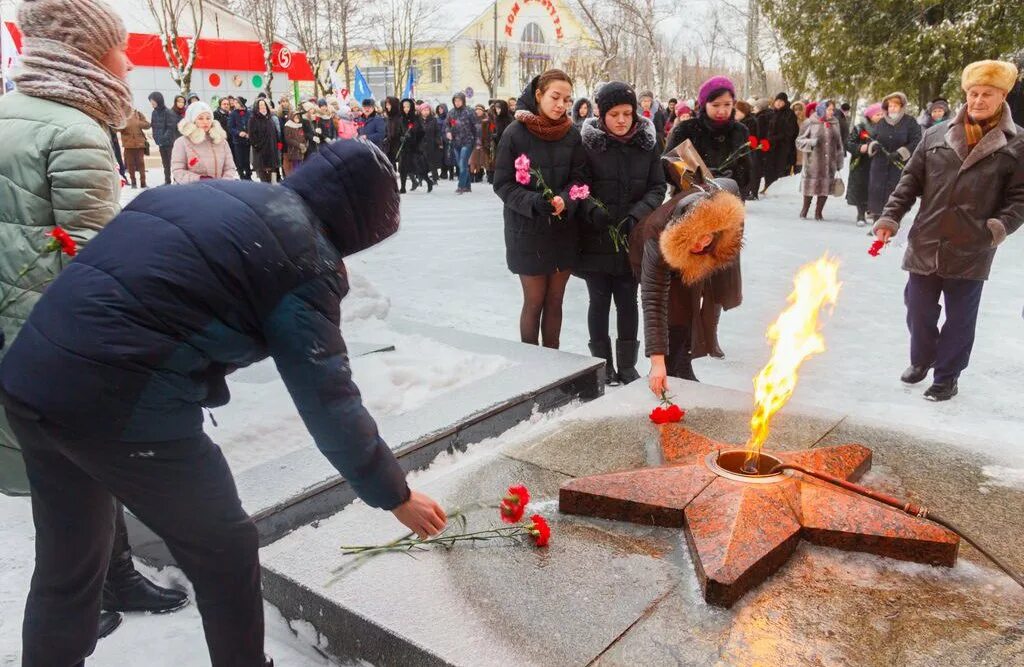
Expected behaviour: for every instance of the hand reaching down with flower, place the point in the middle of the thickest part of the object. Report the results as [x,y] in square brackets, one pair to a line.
[422,515]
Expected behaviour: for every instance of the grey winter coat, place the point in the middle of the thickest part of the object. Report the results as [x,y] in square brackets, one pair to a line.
[821,142]
[970,199]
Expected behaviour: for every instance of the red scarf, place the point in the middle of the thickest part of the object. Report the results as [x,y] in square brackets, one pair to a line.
[543,127]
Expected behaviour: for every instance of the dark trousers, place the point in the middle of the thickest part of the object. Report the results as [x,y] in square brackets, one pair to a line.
[165,158]
[240,153]
[603,288]
[948,349]
[183,490]
[135,163]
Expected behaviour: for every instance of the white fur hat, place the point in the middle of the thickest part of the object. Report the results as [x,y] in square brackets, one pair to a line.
[193,110]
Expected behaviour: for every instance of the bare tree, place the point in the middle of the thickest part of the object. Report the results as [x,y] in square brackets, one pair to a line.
[263,15]
[307,28]
[399,24]
[600,18]
[484,55]
[346,20]
[642,20]
[181,56]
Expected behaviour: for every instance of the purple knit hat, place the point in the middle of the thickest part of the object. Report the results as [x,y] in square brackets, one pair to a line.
[713,84]
[872,110]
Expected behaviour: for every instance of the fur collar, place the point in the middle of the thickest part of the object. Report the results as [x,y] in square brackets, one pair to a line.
[197,136]
[721,215]
[956,137]
[596,139]
[293,124]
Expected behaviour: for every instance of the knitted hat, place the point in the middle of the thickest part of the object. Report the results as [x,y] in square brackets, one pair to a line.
[714,86]
[423,106]
[810,109]
[873,109]
[996,73]
[613,94]
[196,108]
[683,109]
[90,26]
[782,96]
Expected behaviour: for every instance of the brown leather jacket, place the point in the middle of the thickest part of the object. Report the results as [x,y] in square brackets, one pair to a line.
[671,277]
[132,136]
[970,200]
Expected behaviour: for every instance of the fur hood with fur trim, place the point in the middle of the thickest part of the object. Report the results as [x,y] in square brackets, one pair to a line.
[720,215]
[596,139]
[192,132]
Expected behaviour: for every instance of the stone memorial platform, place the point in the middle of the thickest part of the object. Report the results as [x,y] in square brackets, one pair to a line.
[285,482]
[615,593]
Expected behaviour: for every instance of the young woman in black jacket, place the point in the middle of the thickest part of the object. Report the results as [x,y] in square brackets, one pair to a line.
[720,141]
[541,233]
[626,176]
[409,159]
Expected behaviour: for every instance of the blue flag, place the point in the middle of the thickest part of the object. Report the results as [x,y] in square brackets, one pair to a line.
[362,89]
[410,85]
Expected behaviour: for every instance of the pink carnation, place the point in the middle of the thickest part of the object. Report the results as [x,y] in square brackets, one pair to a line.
[522,163]
[523,176]
[578,192]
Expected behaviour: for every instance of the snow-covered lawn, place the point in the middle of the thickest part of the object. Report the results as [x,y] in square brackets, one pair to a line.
[447,267]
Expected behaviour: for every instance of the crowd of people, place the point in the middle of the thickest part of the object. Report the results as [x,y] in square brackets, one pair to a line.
[645,202]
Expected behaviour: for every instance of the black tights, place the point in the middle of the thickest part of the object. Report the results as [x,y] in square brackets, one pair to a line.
[542,308]
[602,288]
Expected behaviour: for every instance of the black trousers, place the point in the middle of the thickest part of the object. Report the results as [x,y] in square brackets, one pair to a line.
[165,158]
[183,490]
[240,153]
[948,349]
[603,289]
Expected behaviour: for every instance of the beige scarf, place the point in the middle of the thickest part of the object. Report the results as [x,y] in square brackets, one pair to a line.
[55,71]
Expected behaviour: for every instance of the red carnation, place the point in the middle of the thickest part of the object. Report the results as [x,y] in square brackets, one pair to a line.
[280,145]
[647,113]
[193,162]
[409,126]
[667,415]
[493,127]
[66,243]
[752,140]
[864,135]
[513,506]
[539,530]
[876,248]
[765,145]
[451,121]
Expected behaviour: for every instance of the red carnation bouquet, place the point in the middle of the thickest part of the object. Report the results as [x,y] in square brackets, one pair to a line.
[62,244]
[511,510]
[667,412]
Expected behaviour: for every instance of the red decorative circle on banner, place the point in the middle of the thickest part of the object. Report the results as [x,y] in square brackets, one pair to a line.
[215,79]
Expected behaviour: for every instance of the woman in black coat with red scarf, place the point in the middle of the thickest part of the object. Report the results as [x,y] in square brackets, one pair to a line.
[626,176]
[720,141]
[541,233]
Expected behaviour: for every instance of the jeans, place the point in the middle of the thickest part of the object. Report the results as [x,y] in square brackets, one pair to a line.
[463,163]
[182,489]
[949,350]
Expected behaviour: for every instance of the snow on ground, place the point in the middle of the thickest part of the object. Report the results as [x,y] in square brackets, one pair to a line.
[446,267]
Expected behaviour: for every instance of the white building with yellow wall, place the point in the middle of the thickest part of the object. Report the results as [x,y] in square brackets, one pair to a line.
[532,35]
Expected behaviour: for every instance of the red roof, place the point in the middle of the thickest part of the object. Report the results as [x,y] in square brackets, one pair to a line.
[144,50]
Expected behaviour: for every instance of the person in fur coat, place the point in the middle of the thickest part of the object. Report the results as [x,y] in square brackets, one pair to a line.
[821,143]
[202,150]
[673,252]
[296,145]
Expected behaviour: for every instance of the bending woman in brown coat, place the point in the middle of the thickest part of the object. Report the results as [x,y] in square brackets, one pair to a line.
[689,238]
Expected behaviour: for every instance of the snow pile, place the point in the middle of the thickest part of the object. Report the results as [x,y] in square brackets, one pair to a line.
[1012,478]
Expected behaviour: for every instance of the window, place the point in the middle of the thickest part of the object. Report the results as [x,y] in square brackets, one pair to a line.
[533,34]
[532,58]
[435,70]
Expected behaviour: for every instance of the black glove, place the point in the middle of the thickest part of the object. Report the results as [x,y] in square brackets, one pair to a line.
[543,207]
[599,217]
[627,225]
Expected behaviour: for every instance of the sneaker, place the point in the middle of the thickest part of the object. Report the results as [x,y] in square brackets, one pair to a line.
[941,391]
[914,374]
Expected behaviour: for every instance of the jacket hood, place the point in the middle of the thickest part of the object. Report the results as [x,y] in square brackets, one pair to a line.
[897,95]
[159,99]
[443,110]
[504,113]
[596,139]
[576,108]
[697,215]
[413,114]
[459,96]
[528,99]
[350,186]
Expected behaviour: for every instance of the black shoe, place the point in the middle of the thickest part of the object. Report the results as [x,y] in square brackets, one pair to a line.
[127,590]
[415,184]
[109,621]
[430,185]
[626,352]
[402,191]
[602,349]
[941,391]
[914,374]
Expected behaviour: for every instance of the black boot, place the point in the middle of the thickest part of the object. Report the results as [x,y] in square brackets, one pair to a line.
[941,391]
[806,208]
[402,191]
[625,354]
[678,361]
[602,349]
[127,590]
[819,208]
[109,621]
[430,185]
[914,374]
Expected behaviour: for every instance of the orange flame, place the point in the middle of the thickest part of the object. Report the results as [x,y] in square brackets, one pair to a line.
[794,337]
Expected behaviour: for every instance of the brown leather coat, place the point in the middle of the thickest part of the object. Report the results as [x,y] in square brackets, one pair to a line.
[132,136]
[970,200]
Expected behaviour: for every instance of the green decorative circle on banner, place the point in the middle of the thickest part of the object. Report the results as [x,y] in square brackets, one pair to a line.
[257,81]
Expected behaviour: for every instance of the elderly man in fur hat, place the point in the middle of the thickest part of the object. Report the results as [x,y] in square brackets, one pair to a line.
[969,174]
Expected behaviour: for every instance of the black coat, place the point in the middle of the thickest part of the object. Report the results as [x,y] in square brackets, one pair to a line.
[536,242]
[164,123]
[715,145]
[860,165]
[409,145]
[393,135]
[629,180]
[1016,101]
[263,137]
[432,145]
[899,141]
[782,130]
[222,117]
